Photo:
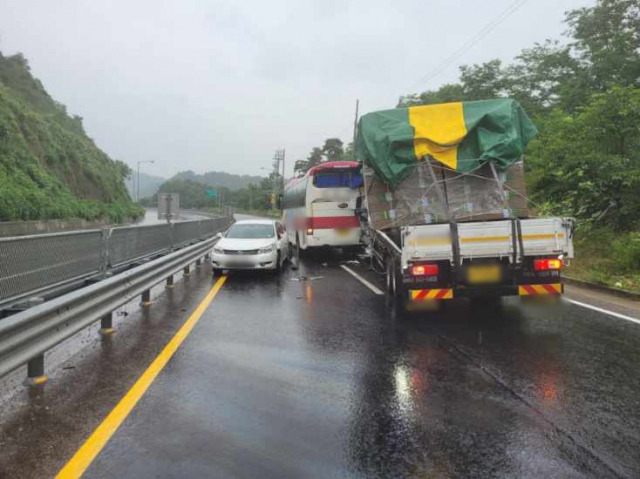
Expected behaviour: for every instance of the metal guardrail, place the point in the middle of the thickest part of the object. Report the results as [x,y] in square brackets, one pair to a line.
[26,336]
[32,265]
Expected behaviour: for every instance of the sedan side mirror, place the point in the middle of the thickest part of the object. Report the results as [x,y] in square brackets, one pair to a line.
[218,235]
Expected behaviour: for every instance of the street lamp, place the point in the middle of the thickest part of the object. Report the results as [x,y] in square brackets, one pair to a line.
[138,187]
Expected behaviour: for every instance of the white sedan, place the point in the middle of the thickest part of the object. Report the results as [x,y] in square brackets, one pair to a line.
[251,245]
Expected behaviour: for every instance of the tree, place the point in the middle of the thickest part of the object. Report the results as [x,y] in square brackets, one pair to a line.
[606,39]
[547,76]
[333,149]
[349,152]
[300,167]
[481,82]
[314,158]
[447,93]
[589,165]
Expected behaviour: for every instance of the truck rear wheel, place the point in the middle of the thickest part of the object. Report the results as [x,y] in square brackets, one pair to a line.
[391,278]
[396,295]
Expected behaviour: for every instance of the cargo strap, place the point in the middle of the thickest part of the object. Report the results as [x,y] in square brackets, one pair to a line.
[453,226]
[516,227]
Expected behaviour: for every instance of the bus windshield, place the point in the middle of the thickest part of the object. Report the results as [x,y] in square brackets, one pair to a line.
[336,178]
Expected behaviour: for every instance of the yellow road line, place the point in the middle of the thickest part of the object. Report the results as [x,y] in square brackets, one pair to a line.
[83,458]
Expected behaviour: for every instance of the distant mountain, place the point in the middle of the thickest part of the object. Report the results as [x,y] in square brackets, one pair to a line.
[219,178]
[149,185]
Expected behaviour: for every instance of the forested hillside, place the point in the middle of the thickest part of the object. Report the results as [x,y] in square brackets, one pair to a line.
[218,179]
[583,94]
[49,167]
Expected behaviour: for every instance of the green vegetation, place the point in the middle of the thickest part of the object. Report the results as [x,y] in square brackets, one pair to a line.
[584,96]
[251,199]
[607,257]
[332,150]
[218,178]
[49,167]
[193,195]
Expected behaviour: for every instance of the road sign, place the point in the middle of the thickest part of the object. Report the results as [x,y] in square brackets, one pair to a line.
[168,206]
[212,193]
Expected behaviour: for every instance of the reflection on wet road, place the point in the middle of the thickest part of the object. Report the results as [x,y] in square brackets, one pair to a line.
[312,375]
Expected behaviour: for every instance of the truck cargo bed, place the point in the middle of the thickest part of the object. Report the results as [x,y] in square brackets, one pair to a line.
[489,239]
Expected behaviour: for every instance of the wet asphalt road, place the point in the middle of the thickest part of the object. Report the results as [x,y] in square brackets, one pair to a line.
[151,217]
[283,377]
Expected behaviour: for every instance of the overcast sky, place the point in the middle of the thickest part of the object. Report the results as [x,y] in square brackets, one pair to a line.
[211,85]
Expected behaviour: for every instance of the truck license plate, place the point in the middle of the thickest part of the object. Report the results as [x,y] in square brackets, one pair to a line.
[342,231]
[484,274]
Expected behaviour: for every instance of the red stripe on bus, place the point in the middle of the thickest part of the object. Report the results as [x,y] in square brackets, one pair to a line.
[326,222]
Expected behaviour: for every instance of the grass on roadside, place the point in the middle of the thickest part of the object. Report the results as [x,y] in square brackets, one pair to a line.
[607,257]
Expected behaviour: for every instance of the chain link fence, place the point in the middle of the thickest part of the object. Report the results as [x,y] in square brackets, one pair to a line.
[213,226]
[130,243]
[186,232]
[31,264]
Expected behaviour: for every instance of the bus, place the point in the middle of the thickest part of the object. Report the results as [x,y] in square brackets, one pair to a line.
[320,207]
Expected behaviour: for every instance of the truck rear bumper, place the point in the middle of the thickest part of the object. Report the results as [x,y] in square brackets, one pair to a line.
[486,291]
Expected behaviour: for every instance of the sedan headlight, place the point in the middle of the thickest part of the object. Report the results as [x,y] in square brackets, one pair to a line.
[267,249]
[218,250]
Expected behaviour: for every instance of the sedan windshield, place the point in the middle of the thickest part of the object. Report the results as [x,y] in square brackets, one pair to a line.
[251,231]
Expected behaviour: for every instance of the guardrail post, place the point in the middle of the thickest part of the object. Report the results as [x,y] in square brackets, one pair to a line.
[187,270]
[35,371]
[104,251]
[106,324]
[146,298]
[170,282]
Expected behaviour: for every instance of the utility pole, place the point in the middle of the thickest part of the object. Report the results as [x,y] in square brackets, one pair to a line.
[277,158]
[355,125]
[283,151]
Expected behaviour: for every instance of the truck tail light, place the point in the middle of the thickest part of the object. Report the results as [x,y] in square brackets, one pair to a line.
[424,270]
[547,264]
[309,231]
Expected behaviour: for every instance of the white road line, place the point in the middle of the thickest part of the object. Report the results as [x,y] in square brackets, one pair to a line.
[605,311]
[362,280]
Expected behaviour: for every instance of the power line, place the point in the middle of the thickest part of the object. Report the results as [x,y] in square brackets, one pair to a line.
[483,32]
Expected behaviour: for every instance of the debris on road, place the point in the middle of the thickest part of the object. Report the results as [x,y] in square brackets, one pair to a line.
[306,278]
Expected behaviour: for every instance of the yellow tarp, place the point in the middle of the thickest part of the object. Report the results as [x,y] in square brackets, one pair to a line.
[439,129]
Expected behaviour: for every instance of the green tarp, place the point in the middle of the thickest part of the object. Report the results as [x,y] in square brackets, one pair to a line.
[462,136]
